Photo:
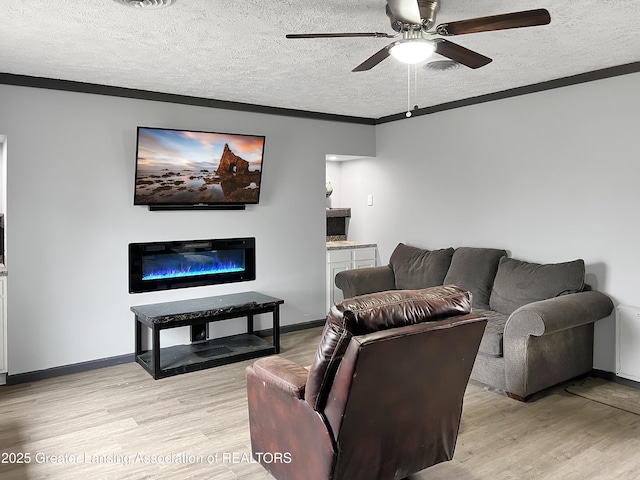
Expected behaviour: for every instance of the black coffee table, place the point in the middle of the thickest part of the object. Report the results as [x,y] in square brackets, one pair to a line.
[203,352]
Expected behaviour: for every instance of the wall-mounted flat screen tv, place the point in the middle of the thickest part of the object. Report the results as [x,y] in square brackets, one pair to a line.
[193,168]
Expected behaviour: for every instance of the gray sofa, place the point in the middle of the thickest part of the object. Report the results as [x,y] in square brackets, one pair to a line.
[540,317]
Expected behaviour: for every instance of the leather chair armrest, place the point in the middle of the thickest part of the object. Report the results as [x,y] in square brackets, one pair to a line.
[365,280]
[558,313]
[282,374]
[281,422]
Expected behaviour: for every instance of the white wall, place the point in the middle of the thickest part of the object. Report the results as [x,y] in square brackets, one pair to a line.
[71,217]
[551,177]
[3,191]
[3,172]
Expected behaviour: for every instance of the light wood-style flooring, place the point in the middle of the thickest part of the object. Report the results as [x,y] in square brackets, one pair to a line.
[118,423]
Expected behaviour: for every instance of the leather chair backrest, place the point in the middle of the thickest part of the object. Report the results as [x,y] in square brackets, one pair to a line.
[395,403]
[371,313]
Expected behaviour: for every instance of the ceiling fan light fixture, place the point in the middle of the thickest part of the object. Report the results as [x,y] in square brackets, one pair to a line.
[414,50]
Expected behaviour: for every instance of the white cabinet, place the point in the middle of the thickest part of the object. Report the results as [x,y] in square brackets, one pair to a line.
[3,330]
[347,258]
[627,341]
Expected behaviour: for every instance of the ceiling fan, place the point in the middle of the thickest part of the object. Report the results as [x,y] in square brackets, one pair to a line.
[412,19]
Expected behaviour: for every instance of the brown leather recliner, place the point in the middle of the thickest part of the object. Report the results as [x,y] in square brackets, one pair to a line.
[383,397]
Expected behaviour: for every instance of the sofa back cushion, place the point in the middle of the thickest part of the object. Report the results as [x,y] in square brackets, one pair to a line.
[518,283]
[474,269]
[371,313]
[415,268]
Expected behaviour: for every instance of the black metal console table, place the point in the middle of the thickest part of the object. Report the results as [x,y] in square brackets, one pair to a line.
[203,352]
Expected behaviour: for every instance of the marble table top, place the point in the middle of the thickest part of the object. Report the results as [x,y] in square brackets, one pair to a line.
[203,307]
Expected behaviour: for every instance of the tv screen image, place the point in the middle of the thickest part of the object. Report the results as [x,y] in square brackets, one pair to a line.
[184,167]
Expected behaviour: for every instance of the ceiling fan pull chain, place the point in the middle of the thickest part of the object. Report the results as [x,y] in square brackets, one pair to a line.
[408,114]
[415,85]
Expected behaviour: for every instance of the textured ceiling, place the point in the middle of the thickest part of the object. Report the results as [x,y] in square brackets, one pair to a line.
[237,51]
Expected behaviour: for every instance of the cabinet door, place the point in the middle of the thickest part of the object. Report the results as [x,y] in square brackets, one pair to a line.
[364,257]
[334,269]
[336,256]
[368,253]
[364,264]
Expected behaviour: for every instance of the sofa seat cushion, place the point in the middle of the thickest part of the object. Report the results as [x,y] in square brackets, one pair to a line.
[474,269]
[370,313]
[491,344]
[519,283]
[415,268]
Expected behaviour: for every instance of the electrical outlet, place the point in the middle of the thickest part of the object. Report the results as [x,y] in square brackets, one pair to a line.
[370,200]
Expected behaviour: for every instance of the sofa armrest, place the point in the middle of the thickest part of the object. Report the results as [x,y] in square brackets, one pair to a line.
[551,341]
[282,374]
[558,313]
[365,280]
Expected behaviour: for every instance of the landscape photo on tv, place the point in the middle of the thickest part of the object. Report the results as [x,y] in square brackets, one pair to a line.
[183,167]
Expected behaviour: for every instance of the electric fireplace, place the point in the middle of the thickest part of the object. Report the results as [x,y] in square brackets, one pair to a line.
[167,265]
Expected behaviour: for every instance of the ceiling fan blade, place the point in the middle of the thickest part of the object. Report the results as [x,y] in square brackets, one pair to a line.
[460,54]
[406,11]
[528,18]
[339,35]
[373,60]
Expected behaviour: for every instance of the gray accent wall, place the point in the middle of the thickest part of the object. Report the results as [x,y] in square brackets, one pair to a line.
[70,218]
[550,177]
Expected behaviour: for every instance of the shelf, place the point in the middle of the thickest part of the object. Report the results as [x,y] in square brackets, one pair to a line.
[338,212]
[209,353]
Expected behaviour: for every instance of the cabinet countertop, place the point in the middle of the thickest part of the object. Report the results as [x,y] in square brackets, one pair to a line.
[341,245]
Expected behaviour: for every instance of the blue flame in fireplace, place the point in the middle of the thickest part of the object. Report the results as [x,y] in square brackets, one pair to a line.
[177,265]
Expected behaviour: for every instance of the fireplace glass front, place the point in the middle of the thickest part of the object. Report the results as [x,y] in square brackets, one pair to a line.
[167,265]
